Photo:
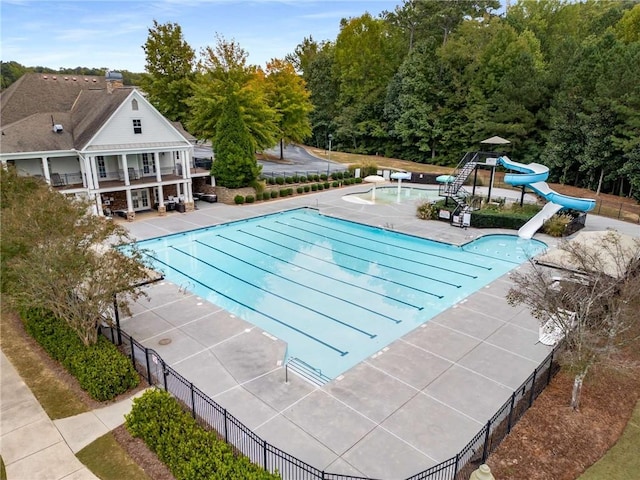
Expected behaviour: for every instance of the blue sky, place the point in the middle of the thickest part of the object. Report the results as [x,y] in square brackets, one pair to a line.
[98,33]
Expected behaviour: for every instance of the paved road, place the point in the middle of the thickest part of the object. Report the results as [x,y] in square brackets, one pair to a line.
[297,161]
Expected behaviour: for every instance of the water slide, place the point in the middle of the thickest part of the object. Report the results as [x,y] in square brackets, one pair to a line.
[533,175]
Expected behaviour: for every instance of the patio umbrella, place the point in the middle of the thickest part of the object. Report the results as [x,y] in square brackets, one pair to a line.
[495,140]
[374,179]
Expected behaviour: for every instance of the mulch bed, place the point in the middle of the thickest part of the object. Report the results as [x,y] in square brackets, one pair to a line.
[552,441]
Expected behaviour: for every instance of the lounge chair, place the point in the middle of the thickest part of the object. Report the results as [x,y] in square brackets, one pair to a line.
[57,181]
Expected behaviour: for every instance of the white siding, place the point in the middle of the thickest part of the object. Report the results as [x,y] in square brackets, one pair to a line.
[119,128]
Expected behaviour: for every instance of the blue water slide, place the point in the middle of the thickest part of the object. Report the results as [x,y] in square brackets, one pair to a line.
[534,176]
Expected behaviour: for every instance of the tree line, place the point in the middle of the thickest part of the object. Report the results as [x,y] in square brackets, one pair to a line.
[429,81]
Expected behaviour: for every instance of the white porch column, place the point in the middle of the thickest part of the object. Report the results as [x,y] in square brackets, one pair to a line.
[89,176]
[188,190]
[93,168]
[125,170]
[156,162]
[96,199]
[185,166]
[129,201]
[45,170]
[161,195]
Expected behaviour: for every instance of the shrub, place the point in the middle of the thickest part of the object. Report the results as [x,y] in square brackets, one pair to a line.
[101,370]
[314,187]
[288,180]
[320,186]
[187,449]
[323,177]
[271,181]
[238,199]
[307,188]
[427,211]
[300,189]
[303,179]
[266,195]
[557,225]
[284,192]
[295,179]
[335,184]
[358,180]
[337,175]
[274,194]
[326,185]
[316,178]
[280,180]
[250,199]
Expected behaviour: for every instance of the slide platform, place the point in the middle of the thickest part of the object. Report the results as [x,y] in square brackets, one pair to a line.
[534,176]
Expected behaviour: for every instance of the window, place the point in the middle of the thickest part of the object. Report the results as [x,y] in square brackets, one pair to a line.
[148,165]
[134,104]
[137,126]
[102,169]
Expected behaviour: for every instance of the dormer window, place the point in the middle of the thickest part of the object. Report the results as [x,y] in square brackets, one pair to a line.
[137,125]
[134,104]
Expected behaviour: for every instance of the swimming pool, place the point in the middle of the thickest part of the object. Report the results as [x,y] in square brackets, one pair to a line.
[391,195]
[335,291]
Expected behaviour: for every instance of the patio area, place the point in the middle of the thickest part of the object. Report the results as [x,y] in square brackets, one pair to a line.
[412,405]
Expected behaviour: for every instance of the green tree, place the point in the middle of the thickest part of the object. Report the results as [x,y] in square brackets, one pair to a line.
[223,70]
[288,96]
[323,87]
[56,255]
[596,309]
[235,164]
[367,54]
[170,70]
[10,72]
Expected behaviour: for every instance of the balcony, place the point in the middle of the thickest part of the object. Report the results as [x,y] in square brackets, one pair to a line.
[115,179]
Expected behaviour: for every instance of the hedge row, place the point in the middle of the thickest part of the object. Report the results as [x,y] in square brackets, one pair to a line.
[308,179]
[100,369]
[188,450]
[499,219]
[285,192]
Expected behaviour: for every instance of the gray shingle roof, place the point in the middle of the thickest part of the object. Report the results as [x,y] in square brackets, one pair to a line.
[30,106]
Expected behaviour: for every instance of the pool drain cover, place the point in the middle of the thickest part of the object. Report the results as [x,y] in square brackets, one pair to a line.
[164,341]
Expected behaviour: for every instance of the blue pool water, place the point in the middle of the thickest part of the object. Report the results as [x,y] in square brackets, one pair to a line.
[391,195]
[334,290]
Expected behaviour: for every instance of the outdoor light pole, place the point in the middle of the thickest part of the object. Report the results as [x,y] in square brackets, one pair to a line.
[329,160]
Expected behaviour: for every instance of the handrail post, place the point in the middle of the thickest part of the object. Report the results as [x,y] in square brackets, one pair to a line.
[146,356]
[193,402]
[533,387]
[509,423]
[485,450]
[549,375]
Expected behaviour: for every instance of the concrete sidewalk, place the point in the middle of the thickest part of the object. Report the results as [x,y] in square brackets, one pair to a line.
[35,447]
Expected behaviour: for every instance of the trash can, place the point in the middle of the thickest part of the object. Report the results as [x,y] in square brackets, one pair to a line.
[181,207]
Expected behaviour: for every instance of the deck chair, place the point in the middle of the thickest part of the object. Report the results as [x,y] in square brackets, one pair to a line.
[57,181]
[132,174]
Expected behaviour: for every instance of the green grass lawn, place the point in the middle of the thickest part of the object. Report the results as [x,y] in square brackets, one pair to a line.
[622,461]
[106,459]
[52,393]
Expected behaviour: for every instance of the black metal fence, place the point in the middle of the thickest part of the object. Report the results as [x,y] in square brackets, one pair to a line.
[150,365]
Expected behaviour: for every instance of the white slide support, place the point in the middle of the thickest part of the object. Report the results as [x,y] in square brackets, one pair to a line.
[529,229]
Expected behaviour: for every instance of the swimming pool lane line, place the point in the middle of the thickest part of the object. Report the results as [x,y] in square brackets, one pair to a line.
[403,248]
[317,312]
[360,272]
[269,272]
[353,285]
[385,254]
[315,339]
[358,258]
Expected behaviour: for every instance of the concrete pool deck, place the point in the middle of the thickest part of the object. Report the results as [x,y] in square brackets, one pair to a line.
[415,403]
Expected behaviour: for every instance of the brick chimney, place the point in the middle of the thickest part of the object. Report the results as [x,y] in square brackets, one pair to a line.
[114,80]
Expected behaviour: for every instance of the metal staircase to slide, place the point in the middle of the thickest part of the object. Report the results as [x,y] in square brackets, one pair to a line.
[455,190]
